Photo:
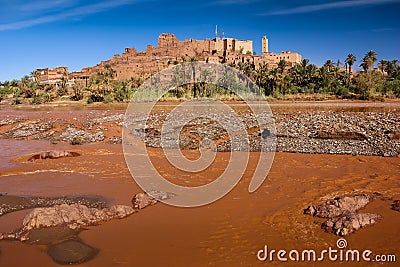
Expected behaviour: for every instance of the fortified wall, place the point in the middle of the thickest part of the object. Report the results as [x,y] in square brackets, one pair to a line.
[171,51]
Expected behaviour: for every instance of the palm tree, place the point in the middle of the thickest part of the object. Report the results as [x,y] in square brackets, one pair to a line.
[369,60]
[109,71]
[282,64]
[273,77]
[306,71]
[329,65]
[382,65]
[350,61]
[16,90]
[193,60]
[324,78]
[27,87]
[392,67]
[304,63]
[63,82]
[35,75]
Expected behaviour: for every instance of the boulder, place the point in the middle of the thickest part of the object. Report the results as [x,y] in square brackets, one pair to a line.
[396,205]
[142,200]
[54,154]
[347,224]
[339,206]
[74,216]
[9,203]
[341,214]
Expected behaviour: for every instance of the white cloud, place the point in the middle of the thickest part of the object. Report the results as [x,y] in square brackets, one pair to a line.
[74,12]
[232,2]
[326,6]
[44,5]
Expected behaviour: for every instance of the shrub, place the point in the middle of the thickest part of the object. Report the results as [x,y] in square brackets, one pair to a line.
[61,91]
[368,83]
[36,100]
[95,98]
[108,99]
[342,91]
[392,87]
[76,141]
[47,97]
[78,92]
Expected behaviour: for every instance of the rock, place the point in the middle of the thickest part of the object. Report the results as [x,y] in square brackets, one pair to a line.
[55,154]
[10,236]
[316,132]
[347,224]
[159,195]
[396,205]
[142,200]
[116,117]
[71,252]
[70,134]
[10,203]
[58,226]
[115,140]
[338,206]
[265,133]
[29,128]
[341,214]
[74,216]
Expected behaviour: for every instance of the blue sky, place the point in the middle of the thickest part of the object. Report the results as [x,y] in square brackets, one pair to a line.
[75,33]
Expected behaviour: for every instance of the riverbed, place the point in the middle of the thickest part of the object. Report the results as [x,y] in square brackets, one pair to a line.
[228,232]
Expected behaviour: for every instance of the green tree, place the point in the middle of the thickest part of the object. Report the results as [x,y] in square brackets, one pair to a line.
[329,65]
[382,65]
[369,60]
[350,60]
[282,64]
[78,91]
[27,87]
[63,84]
[368,83]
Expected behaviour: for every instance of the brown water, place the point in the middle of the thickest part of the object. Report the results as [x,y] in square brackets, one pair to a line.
[278,106]
[228,232]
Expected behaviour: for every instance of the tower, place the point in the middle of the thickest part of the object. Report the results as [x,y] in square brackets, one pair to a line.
[264,45]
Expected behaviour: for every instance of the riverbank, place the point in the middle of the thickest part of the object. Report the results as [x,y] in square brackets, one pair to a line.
[359,128]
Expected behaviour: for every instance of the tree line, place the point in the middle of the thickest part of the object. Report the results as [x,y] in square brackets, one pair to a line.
[329,79]
[275,82]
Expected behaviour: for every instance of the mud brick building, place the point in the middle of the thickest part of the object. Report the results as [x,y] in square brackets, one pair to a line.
[171,51]
[51,76]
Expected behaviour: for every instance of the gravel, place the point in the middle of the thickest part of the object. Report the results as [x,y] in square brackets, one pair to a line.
[70,134]
[321,132]
[355,133]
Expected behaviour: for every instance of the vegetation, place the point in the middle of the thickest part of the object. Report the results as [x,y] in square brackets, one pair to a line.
[76,141]
[329,80]
[276,82]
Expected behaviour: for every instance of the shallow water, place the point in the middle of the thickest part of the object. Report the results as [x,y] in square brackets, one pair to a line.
[228,232]
[278,106]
